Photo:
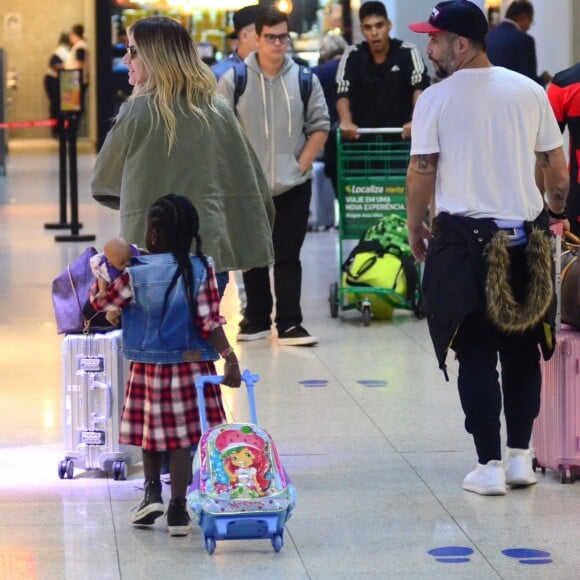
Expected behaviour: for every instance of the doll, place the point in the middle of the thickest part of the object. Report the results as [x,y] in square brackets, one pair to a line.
[109,265]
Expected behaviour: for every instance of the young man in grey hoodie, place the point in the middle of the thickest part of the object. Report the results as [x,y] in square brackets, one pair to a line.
[287,140]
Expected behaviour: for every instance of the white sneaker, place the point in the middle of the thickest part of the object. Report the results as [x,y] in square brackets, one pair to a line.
[486,479]
[519,471]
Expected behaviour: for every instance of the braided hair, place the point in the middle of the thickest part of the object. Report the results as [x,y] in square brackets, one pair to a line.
[177,222]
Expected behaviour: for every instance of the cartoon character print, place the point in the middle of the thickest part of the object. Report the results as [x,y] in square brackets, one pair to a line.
[245,460]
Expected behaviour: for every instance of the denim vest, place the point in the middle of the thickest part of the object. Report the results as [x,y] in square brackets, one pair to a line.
[147,336]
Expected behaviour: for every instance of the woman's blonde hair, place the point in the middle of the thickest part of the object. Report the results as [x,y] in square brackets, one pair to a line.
[174,69]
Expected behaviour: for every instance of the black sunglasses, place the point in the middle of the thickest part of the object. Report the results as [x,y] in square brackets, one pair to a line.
[131,51]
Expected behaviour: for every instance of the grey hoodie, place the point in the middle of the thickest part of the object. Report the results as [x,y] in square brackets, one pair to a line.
[271,112]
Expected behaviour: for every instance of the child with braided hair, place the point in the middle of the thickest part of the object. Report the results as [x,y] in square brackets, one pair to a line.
[167,350]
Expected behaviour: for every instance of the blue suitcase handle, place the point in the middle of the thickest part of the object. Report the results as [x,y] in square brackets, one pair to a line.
[249,378]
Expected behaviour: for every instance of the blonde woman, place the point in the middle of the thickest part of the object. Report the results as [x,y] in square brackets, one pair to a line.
[175,134]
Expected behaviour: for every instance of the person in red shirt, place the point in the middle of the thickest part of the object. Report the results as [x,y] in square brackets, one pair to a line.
[564,96]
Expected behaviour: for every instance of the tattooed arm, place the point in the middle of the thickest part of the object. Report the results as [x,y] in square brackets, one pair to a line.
[552,178]
[421,176]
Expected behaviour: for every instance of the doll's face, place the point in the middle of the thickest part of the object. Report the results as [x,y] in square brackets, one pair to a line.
[243,458]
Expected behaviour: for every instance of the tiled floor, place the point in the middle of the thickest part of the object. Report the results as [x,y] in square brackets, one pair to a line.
[378,469]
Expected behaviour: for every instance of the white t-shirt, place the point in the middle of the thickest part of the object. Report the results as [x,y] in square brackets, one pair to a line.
[485,124]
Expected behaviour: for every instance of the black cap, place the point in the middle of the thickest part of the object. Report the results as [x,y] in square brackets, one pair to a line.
[244,17]
[458,16]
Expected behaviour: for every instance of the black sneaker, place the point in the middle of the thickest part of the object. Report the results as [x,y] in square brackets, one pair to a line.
[252,331]
[178,520]
[151,507]
[296,336]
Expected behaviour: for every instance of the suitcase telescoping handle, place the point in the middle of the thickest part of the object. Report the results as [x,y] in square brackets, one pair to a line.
[558,230]
[249,378]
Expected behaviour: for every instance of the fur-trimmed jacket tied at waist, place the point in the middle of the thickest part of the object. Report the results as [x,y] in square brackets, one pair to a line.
[467,269]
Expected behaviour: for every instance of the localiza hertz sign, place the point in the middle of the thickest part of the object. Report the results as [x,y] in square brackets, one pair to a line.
[370,200]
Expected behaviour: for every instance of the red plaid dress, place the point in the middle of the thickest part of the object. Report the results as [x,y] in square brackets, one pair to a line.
[160,411]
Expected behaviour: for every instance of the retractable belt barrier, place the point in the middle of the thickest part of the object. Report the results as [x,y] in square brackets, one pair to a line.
[67,136]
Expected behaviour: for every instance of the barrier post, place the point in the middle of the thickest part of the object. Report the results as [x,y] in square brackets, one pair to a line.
[3,140]
[62,177]
[71,138]
[71,103]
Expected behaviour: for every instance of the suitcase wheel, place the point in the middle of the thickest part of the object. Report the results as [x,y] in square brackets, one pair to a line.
[120,470]
[210,544]
[567,475]
[66,468]
[277,542]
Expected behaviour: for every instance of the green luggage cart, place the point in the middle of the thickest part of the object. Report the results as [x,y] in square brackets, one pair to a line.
[372,175]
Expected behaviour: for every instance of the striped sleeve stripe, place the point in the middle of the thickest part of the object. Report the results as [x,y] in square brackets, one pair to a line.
[342,84]
[418,64]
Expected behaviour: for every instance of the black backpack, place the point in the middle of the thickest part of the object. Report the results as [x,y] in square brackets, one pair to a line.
[304,79]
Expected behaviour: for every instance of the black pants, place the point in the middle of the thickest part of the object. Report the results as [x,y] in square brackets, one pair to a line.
[290,225]
[53,93]
[478,345]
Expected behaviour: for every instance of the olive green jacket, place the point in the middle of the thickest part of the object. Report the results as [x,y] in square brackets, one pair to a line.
[213,165]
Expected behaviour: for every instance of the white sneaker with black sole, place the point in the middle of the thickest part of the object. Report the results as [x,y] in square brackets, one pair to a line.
[296,336]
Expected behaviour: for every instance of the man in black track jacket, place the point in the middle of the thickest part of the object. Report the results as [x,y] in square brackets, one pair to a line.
[379,80]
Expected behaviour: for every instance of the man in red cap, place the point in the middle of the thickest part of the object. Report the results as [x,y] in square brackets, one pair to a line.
[488,291]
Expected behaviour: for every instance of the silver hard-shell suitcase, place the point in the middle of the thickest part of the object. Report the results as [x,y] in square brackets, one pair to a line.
[94,378]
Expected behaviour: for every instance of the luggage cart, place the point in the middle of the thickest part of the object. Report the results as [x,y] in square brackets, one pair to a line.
[371,183]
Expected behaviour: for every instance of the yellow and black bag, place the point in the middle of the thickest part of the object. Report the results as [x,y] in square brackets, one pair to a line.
[370,264]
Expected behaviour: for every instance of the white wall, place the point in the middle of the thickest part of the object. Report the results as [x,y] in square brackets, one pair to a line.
[553,32]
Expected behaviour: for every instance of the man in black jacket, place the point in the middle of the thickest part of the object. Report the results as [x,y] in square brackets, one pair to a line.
[380,79]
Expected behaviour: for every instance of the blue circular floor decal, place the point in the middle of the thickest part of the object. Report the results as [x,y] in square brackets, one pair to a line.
[314,383]
[366,383]
[529,556]
[452,554]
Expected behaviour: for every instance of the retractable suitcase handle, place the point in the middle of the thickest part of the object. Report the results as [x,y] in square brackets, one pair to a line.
[558,230]
[249,378]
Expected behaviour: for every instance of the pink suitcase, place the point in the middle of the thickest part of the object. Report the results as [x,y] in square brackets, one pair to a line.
[556,431]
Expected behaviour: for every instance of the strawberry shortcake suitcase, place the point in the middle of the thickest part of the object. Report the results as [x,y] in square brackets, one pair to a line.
[94,377]
[556,431]
[240,490]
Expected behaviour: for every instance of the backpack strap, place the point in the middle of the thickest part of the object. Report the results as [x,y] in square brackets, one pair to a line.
[364,246]
[413,285]
[305,82]
[240,80]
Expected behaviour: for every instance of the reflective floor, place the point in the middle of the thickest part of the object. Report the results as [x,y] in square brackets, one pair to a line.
[368,429]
